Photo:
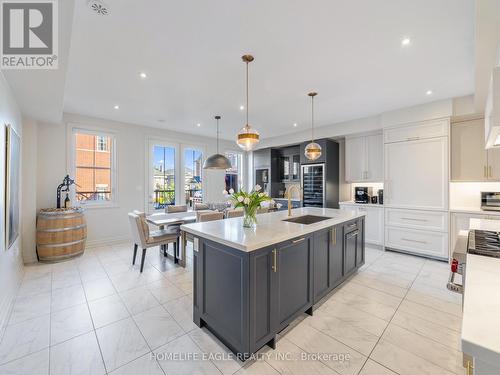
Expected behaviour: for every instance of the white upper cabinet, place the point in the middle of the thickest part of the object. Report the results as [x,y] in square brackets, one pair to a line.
[470,161]
[364,158]
[413,132]
[416,174]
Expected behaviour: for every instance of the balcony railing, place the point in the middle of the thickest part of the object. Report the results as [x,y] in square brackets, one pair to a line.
[165,198]
[83,196]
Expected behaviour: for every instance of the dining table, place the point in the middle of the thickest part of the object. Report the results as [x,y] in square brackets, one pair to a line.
[161,220]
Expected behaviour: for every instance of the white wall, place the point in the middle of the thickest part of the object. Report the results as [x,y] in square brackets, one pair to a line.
[11,259]
[106,225]
[467,195]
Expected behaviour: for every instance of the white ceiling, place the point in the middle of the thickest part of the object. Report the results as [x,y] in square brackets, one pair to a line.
[348,51]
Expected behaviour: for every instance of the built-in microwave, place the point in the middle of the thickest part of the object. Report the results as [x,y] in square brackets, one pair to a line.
[490,201]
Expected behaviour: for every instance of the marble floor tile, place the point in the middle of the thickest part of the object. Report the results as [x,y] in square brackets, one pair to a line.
[165,291]
[36,363]
[138,300]
[368,280]
[435,303]
[121,342]
[313,341]
[65,278]
[288,358]
[63,298]
[403,362]
[25,338]
[68,323]
[352,336]
[441,292]
[353,316]
[373,368]
[157,326]
[98,288]
[372,307]
[78,356]
[183,357]
[208,343]
[37,285]
[430,350]
[127,280]
[92,273]
[371,294]
[145,365]
[257,368]
[438,317]
[107,310]
[29,307]
[181,310]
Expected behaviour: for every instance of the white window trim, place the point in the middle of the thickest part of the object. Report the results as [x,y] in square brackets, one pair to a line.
[179,147]
[242,166]
[183,148]
[91,130]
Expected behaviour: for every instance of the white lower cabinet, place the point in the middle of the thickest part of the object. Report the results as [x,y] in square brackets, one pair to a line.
[424,242]
[374,221]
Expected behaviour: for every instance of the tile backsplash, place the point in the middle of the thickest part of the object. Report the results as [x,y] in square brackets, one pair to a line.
[468,194]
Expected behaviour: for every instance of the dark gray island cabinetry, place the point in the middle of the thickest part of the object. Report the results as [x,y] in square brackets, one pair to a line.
[249,284]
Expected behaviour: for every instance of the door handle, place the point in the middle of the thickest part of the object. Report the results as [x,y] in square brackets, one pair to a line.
[299,240]
[416,241]
[275,265]
[485,174]
[470,368]
[333,233]
[491,174]
[413,219]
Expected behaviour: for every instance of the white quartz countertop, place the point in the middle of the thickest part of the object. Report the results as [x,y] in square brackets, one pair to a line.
[474,210]
[270,229]
[481,315]
[352,203]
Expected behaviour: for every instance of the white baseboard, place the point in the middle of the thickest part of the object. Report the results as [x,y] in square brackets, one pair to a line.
[107,241]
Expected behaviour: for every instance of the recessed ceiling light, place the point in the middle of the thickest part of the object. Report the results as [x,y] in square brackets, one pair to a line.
[143,75]
[161,120]
[294,124]
[198,124]
[242,107]
[116,107]
[405,42]
[428,92]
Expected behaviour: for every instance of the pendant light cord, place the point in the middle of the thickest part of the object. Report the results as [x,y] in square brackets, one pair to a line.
[312,118]
[217,135]
[247,97]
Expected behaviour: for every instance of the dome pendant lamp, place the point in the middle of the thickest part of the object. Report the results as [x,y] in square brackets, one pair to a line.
[312,150]
[217,161]
[248,138]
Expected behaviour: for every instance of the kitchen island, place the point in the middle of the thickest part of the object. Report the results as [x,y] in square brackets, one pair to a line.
[249,284]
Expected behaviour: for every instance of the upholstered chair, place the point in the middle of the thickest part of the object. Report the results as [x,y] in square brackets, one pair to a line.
[172,208]
[234,213]
[262,210]
[145,239]
[201,206]
[210,216]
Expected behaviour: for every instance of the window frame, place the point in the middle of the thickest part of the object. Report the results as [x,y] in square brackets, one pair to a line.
[81,129]
[241,170]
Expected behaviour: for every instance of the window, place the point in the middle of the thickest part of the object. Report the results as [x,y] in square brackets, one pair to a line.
[163,176]
[234,176]
[93,167]
[102,143]
[193,163]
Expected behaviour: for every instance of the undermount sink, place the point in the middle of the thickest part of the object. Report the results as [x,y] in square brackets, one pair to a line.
[307,219]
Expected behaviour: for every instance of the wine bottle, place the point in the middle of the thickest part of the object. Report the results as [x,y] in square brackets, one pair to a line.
[67,201]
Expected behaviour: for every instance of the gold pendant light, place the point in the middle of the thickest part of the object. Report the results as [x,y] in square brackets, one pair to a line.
[247,137]
[312,150]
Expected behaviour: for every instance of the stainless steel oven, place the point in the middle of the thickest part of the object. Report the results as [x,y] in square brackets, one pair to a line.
[490,201]
[313,185]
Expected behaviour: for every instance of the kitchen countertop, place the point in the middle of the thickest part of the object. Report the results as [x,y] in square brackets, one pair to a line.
[481,310]
[362,204]
[285,199]
[474,210]
[270,229]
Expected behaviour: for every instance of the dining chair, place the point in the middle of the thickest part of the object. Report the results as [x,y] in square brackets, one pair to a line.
[210,216]
[176,208]
[145,238]
[262,210]
[201,206]
[201,212]
[234,213]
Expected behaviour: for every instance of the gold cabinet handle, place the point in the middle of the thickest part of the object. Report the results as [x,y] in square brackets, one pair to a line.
[334,236]
[485,174]
[275,265]
[491,173]
[470,367]
[299,240]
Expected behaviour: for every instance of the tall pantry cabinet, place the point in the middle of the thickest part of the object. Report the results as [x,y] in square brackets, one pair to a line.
[416,179]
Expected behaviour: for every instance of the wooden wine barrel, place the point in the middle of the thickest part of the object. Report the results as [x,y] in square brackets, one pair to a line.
[60,234]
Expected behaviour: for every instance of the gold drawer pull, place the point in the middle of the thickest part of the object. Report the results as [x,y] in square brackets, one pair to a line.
[299,240]
[470,367]
[275,265]
[413,219]
[409,240]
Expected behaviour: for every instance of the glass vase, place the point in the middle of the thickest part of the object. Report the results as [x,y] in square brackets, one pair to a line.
[249,218]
